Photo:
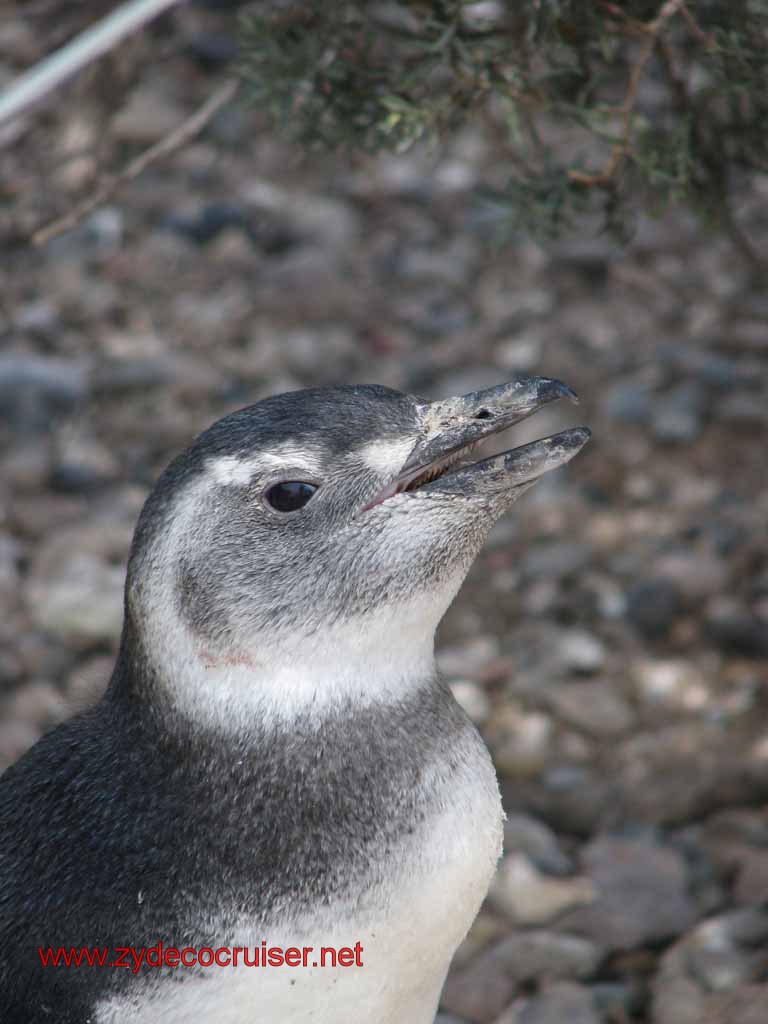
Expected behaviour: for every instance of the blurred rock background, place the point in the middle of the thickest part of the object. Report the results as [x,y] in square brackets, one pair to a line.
[612,640]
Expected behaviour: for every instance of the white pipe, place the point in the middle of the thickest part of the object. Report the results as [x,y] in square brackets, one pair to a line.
[44,76]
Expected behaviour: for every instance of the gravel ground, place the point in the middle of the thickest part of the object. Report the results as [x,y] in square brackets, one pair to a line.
[611,642]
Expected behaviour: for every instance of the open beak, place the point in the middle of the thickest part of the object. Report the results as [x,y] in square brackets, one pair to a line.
[454,426]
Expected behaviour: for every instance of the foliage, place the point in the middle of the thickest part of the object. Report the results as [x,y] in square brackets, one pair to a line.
[598,104]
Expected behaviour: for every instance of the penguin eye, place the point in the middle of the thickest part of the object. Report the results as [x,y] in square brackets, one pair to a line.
[289,495]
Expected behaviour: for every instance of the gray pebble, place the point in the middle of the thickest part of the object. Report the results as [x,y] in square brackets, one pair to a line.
[481,990]
[653,605]
[558,1002]
[581,651]
[35,389]
[641,894]
[561,558]
[679,415]
[524,834]
[595,707]
[629,402]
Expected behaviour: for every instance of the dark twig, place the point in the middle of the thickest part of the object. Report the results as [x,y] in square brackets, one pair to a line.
[621,150]
[179,137]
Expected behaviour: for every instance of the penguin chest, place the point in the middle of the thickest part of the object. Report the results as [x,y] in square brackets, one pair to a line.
[378,952]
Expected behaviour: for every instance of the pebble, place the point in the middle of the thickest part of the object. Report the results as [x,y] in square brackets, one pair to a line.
[679,414]
[540,597]
[591,258]
[595,706]
[519,740]
[574,746]
[212,50]
[42,656]
[124,375]
[670,683]
[696,575]
[750,887]
[26,467]
[16,737]
[103,229]
[641,894]
[330,222]
[481,990]
[35,390]
[473,699]
[629,402]
[617,1001]
[82,604]
[746,1005]
[735,629]
[527,835]
[573,797]
[678,1000]
[233,250]
[11,673]
[230,127]
[581,651]
[521,353]
[558,1002]
[743,410]
[82,464]
[538,952]
[78,137]
[706,880]
[449,264]
[747,334]
[719,967]
[713,974]
[529,897]
[486,929]
[653,606]
[556,559]
[74,590]
[10,555]
[39,318]
[146,117]
[467,660]
[38,703]
[210,221]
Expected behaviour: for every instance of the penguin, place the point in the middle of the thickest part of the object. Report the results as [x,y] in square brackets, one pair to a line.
[276,767]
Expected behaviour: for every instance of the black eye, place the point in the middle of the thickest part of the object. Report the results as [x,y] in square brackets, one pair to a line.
[289,495]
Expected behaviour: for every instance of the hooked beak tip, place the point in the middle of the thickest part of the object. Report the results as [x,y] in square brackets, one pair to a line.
[550,390]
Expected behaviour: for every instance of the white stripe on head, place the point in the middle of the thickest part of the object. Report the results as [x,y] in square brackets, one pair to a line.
[386,457]
[229,470]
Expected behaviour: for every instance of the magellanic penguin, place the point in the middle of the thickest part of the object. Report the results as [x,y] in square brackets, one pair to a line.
[275,763]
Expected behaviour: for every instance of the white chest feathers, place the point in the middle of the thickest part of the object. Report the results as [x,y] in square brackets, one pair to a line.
[406,927]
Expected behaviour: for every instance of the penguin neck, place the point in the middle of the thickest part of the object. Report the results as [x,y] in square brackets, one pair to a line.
[350,665]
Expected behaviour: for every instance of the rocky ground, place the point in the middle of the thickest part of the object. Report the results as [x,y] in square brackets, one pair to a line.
[612,640]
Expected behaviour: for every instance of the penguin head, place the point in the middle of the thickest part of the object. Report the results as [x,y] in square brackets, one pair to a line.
[304,549]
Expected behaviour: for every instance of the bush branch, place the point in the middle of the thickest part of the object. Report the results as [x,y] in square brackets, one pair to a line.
[178,137]
[651,31]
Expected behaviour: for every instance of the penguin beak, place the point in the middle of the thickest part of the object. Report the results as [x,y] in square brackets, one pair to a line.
[454,426]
